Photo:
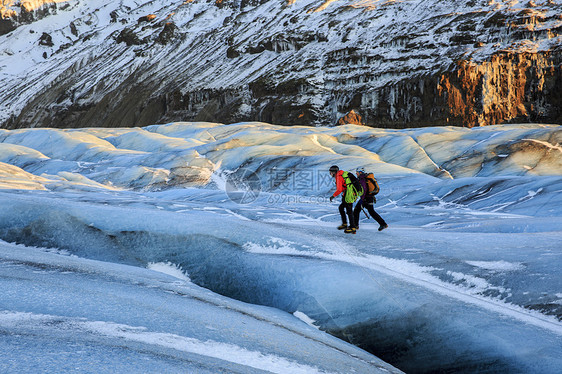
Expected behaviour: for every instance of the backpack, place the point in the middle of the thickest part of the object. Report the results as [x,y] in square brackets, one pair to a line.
[353,187]
[372,185]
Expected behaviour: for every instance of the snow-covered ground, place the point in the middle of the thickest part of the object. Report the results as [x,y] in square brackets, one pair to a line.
[466,278]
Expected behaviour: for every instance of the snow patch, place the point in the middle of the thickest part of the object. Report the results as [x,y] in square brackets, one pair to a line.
[170,269]
[209,348]
[497,266]
[306,319]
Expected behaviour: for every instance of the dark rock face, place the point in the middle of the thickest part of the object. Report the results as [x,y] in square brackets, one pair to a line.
[46,40]
[13,14]
[383,64]
[6,25]
[167,34]
[128,37]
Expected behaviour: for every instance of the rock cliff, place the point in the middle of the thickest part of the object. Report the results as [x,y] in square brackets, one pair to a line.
[381,63]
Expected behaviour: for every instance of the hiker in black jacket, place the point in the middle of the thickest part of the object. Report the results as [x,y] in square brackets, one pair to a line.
[370,186]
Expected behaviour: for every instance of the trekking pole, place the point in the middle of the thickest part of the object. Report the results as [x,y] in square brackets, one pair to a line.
[366,215]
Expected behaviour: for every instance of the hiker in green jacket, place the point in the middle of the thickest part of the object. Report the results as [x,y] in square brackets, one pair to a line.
[345,206]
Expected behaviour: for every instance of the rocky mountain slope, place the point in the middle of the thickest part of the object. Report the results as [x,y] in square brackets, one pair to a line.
[383,63]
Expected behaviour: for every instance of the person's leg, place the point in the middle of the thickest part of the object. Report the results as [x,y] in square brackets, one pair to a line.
[351,228]
[349,209]
[357,213]
[341,208]
[375,215]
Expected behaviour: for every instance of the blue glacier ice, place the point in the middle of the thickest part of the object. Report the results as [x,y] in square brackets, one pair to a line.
[465,279]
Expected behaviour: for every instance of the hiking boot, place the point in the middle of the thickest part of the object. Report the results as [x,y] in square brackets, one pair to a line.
[350,230]
[383,226]
[343,226]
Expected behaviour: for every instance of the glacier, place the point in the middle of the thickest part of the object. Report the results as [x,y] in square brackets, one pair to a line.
[465,279]
[68,314]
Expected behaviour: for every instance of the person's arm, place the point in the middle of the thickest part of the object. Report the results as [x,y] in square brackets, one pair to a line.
[340,185]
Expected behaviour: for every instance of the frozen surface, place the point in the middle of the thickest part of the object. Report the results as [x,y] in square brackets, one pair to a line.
[466,278]
[60,313]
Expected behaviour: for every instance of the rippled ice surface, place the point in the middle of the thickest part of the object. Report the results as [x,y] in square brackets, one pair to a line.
[466,278]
